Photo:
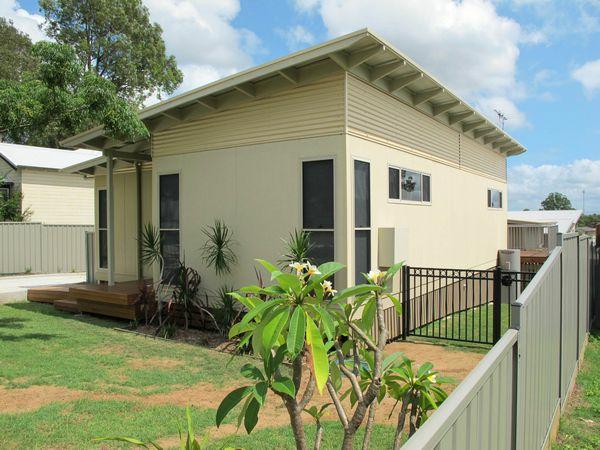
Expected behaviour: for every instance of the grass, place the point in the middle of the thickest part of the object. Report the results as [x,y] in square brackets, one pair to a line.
[81,352]
[580,425]
[469,325]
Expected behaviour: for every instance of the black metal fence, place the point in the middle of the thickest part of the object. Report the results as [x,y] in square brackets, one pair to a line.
[456,304]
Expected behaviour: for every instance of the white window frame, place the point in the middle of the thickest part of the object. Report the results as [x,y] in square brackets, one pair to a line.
[487,198]
[409,202]
[370,227]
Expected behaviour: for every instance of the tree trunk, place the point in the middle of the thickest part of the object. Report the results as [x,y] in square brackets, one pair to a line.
[369,426]
[319,436]
[401,422]
[297,424]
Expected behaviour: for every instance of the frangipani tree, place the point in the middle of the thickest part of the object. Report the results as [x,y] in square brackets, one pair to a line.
[301,317]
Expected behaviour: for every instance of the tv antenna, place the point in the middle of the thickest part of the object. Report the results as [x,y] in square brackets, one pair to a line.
[501,118]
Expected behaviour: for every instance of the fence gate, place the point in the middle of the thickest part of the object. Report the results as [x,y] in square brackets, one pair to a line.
[459,304]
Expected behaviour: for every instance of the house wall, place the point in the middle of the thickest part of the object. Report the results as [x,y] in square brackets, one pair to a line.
[378,116]
[125,194]
[313,110]
[10,175]
[456,229]
[256,190]
[57,198]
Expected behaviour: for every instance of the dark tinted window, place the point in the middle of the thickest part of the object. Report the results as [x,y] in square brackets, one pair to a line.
[102,249]
[317,194]
[362,251]
[322,250]
[494,199]
[394,182]
[169,201]
[170,252]
[102,212]
[426,188]
[362,195]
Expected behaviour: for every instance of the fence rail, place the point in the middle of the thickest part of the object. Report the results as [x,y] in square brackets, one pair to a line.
[514,396]
[41,248]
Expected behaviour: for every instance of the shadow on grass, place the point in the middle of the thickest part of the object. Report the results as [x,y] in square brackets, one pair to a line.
[12,322]
[27,337]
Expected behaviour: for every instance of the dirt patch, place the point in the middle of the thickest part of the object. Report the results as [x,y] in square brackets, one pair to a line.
[193,336]
[118,349]
[34,397]
[154,363]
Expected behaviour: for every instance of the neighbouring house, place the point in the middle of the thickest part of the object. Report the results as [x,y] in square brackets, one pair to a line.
[348,139]
[52,196]
[565,219]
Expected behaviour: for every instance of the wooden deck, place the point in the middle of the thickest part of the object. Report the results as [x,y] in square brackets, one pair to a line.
[120,300]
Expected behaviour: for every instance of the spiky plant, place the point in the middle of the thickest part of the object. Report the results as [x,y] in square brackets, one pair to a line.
[217,252]
[297,248]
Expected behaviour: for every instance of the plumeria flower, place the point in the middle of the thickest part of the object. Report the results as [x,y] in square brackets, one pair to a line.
[432,378]
[375,276]
[311,270]
[298,267]
[328,288]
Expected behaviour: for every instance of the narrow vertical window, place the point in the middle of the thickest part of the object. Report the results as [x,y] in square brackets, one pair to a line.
[317,208]
[169,222]
[362,220]
[102,230]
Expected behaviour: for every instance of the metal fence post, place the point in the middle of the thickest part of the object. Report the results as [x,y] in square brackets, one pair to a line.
[405,301]
[497,320]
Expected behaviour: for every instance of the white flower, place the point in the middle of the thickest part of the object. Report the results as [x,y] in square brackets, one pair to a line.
[432,378]
[311,270]
[375,275]
[298,267]
[328,287]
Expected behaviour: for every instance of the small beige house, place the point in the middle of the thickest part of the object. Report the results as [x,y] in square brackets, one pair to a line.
[348,139]
[51,195]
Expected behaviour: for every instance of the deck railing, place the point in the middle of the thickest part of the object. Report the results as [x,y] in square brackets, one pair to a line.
[513,398]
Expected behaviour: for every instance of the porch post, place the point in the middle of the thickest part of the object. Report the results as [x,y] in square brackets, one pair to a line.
[111,218]
[138,181]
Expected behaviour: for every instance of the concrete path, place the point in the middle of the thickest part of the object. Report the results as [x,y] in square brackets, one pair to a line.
[14,288]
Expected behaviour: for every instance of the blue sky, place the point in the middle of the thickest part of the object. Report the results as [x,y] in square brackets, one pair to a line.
[536,60]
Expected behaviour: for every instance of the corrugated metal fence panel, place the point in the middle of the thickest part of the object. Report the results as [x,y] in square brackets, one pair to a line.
[570,317]
[313,110]
[41,248]
[537,314]
[583,291]
[477,414]
[376,114]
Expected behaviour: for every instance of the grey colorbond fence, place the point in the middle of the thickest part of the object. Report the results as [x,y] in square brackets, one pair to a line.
[532,236]
[41,248]
[514,396]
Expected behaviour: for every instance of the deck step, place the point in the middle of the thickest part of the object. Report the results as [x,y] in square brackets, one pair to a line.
[67,305]
[47,294]
[130,312]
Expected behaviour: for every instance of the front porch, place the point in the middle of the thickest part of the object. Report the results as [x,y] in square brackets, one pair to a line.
[119,300]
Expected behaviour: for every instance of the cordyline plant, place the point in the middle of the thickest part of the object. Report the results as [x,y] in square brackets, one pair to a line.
[300,316]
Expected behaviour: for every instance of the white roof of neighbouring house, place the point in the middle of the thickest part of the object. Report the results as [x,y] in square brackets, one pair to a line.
[18,155]
[565,219]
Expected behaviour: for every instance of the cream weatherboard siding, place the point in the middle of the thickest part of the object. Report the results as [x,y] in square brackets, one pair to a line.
[256,190]
[456,229]
[313,110]
[126,258]
[378,116]
[57,198]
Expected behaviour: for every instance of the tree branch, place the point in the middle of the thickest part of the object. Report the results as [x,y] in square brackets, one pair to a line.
[338,404]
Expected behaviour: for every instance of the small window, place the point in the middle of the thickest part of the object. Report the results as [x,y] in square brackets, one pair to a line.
[169,222]
[494,199]
[4,193]
[362,219]
[409,185]
[317,208]
[102,230]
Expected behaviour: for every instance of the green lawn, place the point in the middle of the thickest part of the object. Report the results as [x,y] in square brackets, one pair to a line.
[40,346]
[469,325]
[580,425]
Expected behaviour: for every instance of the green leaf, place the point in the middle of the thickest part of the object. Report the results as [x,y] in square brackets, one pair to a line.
[284,386]
[389,274]
[123,439]
[267,265]
[230,402]
[312,411]
[260,309]
[240,328]
[296,332]
[289,282]
[260,392]
[336,376]
[353,291]
[272,330]
[251,416]
[396,302]
[319,358]
[326,321]
[424,369]
[252,372]
[368,316]
[329,268]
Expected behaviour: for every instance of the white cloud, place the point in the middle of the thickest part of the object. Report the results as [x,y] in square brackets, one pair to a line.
[515,117]
[589,76]
[529,185]
[22,19]
[202,37]
[467,44]
[296,37]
